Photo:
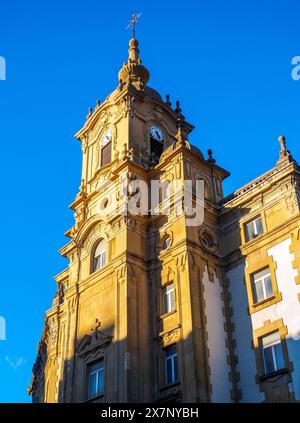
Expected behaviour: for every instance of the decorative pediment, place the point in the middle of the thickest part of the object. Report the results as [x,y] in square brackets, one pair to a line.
[92,343]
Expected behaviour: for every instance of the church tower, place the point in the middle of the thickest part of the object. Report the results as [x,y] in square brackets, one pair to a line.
[172,292]
[140,314]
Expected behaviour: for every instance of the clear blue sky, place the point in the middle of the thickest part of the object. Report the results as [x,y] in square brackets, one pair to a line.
[229,62]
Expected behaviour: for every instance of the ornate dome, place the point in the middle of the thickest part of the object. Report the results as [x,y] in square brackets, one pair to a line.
[150,92]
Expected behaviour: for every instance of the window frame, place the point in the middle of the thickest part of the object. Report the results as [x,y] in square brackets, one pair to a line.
[174,369]
[254,266]
[266,329]
[166,243]
[102,253]
[106,146]
[275,362]
[254,283]
[167,295]
[164,191]
[88,375]
[253,221]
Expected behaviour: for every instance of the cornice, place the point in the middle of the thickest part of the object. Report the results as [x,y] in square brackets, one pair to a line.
[61,275]
[261,183]
[67,248]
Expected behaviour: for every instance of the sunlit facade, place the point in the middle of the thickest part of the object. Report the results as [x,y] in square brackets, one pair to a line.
[153,309]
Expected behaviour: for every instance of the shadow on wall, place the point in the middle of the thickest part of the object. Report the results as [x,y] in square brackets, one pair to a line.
[37,387]
[104,371]
[119,377]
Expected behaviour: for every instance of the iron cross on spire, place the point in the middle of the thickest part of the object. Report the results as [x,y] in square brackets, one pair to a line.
[134,18]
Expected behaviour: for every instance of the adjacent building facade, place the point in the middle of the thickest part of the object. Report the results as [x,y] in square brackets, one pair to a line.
[151,307]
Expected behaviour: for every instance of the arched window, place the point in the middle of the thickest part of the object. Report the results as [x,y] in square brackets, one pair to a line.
[99,257]
[166,242]
[164,190]
[106,141]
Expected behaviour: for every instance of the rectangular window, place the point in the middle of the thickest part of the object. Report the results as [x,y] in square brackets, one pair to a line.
[106,154]
[171,370]
[95,379]
[168,295]
[253,229]
[262,285]
[272,353]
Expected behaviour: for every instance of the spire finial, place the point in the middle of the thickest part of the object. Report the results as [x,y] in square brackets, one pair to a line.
[181,137]
[282,143]
[178,108]
[133,72]
[168,102]
[135,16]
[285,156]
[210,157]
[90,112]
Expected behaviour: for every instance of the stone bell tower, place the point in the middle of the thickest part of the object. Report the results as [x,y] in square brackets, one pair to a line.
[138,312]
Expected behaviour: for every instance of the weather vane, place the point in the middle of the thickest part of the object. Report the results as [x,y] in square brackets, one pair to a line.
[134,18]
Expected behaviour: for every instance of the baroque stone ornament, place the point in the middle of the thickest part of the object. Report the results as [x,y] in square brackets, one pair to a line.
[52,331]
[170,337]
[207,239]
[133,71]
[284,154]
[84,143]
[96,342]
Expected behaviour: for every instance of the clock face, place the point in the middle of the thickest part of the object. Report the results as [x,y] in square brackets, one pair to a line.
[156,133]
[107,137]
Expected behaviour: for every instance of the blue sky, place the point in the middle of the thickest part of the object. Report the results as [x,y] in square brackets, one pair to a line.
[228,62]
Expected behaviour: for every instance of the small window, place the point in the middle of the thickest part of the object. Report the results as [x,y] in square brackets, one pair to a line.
[99,258]
[106,154]
[253,229]
[166,242]
[168,296]
[95,379]
[262,285]
[171,369]
[272,353]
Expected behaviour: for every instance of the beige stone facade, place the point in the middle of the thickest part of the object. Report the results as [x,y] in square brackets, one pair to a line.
[151,308]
